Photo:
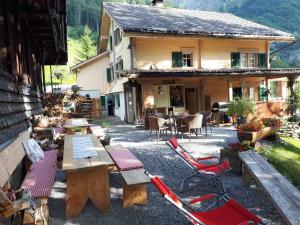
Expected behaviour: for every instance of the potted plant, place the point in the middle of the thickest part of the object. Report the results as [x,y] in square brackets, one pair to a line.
[240,108]
[231,153]
[256,130]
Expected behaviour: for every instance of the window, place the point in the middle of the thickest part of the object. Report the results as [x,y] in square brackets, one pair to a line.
[103,101]
[249,60]
[275,89]
[251,93]
[117,36]
[117,100]
[182,59]
[187,59]
[245,60]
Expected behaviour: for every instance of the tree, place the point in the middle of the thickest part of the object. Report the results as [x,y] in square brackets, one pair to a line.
[87,47]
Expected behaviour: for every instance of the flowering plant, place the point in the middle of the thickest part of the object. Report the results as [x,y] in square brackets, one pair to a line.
[237,146]
[253,126]
[272,122]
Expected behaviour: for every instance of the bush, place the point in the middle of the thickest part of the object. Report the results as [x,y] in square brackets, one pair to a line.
[241,107]
[252,126]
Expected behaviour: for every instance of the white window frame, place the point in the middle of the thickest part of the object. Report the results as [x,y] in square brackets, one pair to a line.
[245,59]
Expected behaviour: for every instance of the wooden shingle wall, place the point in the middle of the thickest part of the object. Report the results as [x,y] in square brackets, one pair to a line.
[18,103]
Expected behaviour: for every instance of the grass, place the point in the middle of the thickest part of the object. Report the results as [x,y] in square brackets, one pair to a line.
[285,157]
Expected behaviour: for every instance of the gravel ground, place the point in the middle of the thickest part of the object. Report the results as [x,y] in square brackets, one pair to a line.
[159,160]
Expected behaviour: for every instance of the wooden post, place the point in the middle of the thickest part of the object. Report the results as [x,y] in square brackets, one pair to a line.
[230,90]
[51,79]
[247,177]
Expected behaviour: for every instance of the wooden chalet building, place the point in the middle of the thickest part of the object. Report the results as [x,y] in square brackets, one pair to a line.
[32,34]
[187,59]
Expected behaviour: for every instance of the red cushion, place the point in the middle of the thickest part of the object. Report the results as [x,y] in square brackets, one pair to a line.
[229,214]
[40,178]
[173,141]
[125,160]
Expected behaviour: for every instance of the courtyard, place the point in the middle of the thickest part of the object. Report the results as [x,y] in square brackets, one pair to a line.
[159,159]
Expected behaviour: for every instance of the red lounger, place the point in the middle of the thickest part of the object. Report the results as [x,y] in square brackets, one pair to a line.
[230,213]
[201,168]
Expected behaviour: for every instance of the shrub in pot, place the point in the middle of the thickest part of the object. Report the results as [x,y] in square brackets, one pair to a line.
[240,108]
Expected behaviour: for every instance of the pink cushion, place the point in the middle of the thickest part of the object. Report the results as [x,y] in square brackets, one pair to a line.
[40,178]
[125,160]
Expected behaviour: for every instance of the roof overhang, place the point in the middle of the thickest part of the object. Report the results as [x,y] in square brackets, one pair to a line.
[169,34]
[251,72]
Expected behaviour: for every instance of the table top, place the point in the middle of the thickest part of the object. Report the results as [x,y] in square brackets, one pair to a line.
[78,122]
[84,151]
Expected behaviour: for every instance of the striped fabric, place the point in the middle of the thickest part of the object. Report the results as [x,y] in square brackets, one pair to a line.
[40,178]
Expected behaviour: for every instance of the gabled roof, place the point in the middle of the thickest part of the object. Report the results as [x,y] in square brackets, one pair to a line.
[149,19]
[88,61]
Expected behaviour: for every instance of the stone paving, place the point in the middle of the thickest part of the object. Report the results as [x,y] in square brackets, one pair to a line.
[159,160]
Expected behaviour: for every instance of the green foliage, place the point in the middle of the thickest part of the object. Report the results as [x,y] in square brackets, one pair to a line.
[278,63]
[241,107]
[87,47]
[75,89]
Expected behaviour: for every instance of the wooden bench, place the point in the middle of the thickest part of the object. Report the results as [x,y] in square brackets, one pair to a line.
[37,183]
[283,194]
[135,186]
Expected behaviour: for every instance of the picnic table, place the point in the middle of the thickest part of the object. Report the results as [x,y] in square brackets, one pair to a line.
[73,123]
[86,163]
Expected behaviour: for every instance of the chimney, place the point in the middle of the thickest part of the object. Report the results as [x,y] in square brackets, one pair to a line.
[158,3]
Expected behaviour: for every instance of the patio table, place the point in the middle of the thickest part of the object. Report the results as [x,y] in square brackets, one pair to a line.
[86,163]
[75,123]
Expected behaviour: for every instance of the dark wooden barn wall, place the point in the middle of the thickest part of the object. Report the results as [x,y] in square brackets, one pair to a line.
[18,103]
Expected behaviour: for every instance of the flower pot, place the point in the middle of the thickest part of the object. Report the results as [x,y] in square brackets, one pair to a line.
[233,157]
[255,136]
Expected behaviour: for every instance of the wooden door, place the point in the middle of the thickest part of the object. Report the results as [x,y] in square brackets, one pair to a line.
[191,100]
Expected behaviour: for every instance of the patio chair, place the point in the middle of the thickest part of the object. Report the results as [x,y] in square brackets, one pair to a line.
[159,125]
[202,169]
[192,123]
[207,117]
[229,213]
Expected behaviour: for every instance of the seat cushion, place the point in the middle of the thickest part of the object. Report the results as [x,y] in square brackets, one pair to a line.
[125,160]
[40,178]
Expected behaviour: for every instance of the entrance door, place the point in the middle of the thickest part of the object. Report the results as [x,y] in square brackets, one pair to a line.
[191,100]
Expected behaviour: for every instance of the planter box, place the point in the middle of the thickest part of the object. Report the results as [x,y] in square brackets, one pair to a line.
[233,158]
[253,137]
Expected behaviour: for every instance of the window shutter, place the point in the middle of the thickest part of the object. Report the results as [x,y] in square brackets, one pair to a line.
[108,74]
[177,59]
[110,43]
[262,58]
[235,59]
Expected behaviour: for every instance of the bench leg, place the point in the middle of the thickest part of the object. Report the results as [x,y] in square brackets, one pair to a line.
[247,177]
[77,192]
[134,194]
[99,191]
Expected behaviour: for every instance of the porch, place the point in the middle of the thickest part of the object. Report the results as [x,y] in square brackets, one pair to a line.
[178,91]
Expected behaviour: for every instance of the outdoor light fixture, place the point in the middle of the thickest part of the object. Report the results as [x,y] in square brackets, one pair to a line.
[160,90]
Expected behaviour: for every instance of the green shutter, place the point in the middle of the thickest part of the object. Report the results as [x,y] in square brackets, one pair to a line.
[262,60]
[235,59]
[110,43]
[108,74]
[177,59]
